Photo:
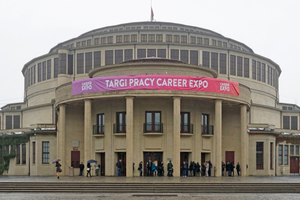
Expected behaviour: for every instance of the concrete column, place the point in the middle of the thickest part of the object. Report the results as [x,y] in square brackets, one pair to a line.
[87,130]
[244,141]
[61,137]
[218,138]
[176,136]
[129,136]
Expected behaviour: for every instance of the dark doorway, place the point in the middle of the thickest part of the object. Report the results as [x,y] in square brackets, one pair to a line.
[229,157]
[122,156]
[294,166]
[154,157]
[102,164]
[184,156]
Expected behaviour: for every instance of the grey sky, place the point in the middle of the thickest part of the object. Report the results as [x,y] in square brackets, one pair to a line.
[30,28]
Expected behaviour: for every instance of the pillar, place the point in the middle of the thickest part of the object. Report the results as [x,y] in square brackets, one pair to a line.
[87,130]
[218,138]
[61,137]
[129,136]
[176,136]
[244,141]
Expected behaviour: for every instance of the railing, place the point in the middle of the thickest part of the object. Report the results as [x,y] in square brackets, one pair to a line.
[207,130]
[186,128]
[119,128]
[153,127]
[96,129]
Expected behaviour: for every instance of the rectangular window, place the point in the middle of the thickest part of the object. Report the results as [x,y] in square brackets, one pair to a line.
[151,37]
[8,122]
[205,123]
[258,71]
[48,69]
[271,155]
[161,53]
[286,154]
[62,63]
[174,54]
[143,37]
[297,150]
[193,40]
[89,42]
[169,38]
[33,152]
[219,43]
[141,53]
[134,38]
[214,61]
[17,121]
[194,60]
[44,70]
[23,154]
[97,59]
[39,72]
[280,153]
[18,156]
[239,66]
[109,39]
[118,56]
[128,54]
[96,41]
[151,53]
[199,40]
[291,149]
[80,63]
[263,72]
[184,55]
[83,43]
[103,40]
[159,37]
[223,61]
[183,39]
[225,44]
[214,43]
[259,155]
[70,64]
[100,123]
[286,122]
[109,57]
[126,38]
[45,152]
[254,69]
[121,122]
[294,122]
[78,44]
[246,67]
[34,74]
[153,121]
[184,122]
[88,61]
[55,67]
[119,38]
[206,41]
[176,39]
[75,159]
[205,59]
[232,65]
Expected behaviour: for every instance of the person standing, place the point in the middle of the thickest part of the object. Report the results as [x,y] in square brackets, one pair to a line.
[88,170]
[119,167]
[141,168]
[198,169]
[223,168]
[58,169]
[170,168]
[97,168]
[149,167]
[81,167]
[154,169]
[238,168]
[207,169]
[184,169]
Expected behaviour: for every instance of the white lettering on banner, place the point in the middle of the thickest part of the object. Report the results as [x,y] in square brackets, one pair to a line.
[198,84]
[224,87]
[86,86]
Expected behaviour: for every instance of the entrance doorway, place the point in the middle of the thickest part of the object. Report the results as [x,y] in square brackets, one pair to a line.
[294,166]
[122,156]
[184,156]
[229,157]
[102,164]
[155,157]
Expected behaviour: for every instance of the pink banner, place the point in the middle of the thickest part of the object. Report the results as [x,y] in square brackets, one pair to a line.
[155,82]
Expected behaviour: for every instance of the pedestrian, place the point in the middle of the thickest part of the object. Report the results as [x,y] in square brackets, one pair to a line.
[230,168]
[223,168]
[207,169]
[154,169]
[198,169]
[170,169]
[141,168]
[191,168]
[58,169]
[184,169]
[203,169]
[88,170]
[119,167]
[194,168]
[162,169]
[97,168]
[238,168]
[81,167]
[149,167]
[227,168]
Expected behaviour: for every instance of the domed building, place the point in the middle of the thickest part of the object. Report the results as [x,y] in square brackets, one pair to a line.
[151,91]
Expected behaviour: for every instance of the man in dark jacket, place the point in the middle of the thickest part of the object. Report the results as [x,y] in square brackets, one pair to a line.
[170,169]
[81,167]
[223,168]
[119,167]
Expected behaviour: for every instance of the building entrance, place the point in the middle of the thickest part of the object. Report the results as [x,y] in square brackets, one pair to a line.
[294,166]
[156,158]
[184,156]
[122,156]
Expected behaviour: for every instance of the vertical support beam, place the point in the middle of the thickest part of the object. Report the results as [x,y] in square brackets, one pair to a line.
[129,136]
[218,138]
[176,136]
[244,141]
[61,136]
[87,129]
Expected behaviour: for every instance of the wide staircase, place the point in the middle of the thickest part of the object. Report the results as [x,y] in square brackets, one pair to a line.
[142,187]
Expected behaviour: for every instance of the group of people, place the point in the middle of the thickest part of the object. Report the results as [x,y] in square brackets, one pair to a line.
[154,168]
[89,169]
[229,167]
[194,168]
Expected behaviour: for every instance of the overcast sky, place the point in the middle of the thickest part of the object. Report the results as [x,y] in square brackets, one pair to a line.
[30,28]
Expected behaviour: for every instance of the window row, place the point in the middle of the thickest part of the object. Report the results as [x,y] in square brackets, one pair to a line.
[152,123]
[290,122]
[283,153]
[11,122]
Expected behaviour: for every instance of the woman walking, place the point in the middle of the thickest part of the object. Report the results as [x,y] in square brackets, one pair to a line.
[141,168]
[58,169]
